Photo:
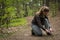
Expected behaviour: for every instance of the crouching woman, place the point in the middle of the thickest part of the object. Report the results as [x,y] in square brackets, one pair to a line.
[41,21]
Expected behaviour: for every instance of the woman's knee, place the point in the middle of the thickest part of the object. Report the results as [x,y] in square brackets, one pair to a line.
[36,30]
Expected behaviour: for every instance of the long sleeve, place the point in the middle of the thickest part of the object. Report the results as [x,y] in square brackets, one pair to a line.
[39,22]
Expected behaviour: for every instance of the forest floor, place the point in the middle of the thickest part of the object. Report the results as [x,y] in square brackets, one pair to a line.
[24,32]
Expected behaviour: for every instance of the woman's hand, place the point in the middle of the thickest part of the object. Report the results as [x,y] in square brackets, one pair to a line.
[51,30]
[47,30]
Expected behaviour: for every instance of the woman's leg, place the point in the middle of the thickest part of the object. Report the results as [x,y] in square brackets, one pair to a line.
[36,30]
[47,24]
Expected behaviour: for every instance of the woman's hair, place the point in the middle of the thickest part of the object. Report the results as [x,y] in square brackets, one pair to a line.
[43,9]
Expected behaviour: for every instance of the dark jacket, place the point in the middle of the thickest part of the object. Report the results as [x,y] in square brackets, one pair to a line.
[39,20]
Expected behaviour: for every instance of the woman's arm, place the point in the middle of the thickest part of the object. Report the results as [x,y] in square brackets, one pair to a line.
[39,23]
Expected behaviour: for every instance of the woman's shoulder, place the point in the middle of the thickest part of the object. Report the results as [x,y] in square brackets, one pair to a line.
[36,16]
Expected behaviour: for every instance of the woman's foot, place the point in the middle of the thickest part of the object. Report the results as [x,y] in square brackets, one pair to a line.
[49,32]
[35,34]
[32,32]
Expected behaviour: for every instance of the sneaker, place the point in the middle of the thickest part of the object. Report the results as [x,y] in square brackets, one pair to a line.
[32,32]
[48,33]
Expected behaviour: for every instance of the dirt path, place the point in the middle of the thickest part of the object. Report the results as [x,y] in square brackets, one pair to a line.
[24,33]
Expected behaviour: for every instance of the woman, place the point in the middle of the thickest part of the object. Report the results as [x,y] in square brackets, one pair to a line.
[40,21]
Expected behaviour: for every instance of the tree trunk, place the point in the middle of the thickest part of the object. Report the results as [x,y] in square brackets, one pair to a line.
[59,5]
[26,12]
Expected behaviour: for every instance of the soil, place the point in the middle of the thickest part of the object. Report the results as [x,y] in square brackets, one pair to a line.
[24,32]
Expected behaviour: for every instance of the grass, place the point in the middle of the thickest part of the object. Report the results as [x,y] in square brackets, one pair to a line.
[15,22]
[5,35]
[18,22]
